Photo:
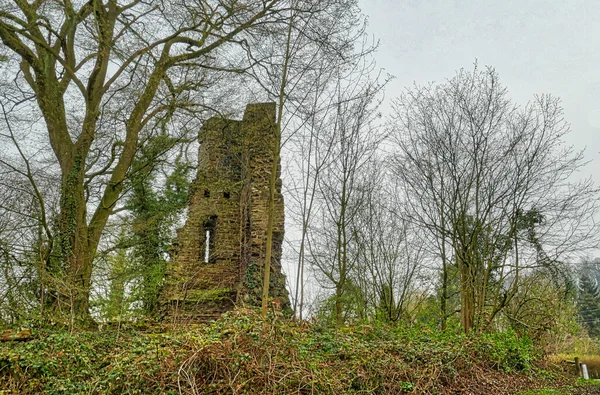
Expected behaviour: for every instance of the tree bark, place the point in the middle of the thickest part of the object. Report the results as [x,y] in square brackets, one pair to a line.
[74,245]
[467,296]
[274,168]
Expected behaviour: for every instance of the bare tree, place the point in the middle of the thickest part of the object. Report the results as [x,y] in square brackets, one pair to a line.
[491,182]
[27,208]
[344,185]
[298,68]
[390,271]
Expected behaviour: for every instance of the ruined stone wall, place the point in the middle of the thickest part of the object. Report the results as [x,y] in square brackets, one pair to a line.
[259,121]
[229,199]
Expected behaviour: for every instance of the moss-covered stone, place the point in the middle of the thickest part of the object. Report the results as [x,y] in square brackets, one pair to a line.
[222,244]
[208,295]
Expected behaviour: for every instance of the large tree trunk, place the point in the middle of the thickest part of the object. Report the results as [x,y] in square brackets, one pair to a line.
[73,293]
[444,296]
[467,296]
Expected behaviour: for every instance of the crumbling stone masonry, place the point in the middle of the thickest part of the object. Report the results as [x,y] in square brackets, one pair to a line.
[219,254]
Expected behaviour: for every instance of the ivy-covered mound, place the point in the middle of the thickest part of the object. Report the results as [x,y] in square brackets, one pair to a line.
[244,353]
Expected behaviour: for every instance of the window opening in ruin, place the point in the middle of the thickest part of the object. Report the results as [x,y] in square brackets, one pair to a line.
[206,193]
[207,244]
[209,239]
[226,195]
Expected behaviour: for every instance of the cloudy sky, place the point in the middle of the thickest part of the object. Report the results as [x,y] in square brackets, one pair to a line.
[536,46]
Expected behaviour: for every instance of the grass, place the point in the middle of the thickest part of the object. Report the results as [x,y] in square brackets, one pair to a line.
[244,353]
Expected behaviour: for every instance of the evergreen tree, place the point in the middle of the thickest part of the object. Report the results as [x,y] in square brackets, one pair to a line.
[588,304]
[155,209]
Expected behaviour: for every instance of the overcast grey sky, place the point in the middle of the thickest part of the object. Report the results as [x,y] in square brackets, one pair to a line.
[536,46]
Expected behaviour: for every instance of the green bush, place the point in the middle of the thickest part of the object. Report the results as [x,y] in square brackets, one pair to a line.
[507,351]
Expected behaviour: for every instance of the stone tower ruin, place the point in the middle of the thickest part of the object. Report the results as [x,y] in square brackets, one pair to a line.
[218,256]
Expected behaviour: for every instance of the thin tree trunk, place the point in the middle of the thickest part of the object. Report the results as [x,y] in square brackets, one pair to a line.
[444,296]
[339,308]
[274,168]
[467,297]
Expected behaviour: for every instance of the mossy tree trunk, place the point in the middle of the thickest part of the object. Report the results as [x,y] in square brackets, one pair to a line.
[73,237]
[467,297]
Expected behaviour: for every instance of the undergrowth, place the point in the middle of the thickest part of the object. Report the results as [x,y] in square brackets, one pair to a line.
[243,353]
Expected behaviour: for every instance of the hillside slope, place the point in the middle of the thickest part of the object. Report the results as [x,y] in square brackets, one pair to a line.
[243,353]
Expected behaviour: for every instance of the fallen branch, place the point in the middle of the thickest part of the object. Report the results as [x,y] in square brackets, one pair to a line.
[13,336]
